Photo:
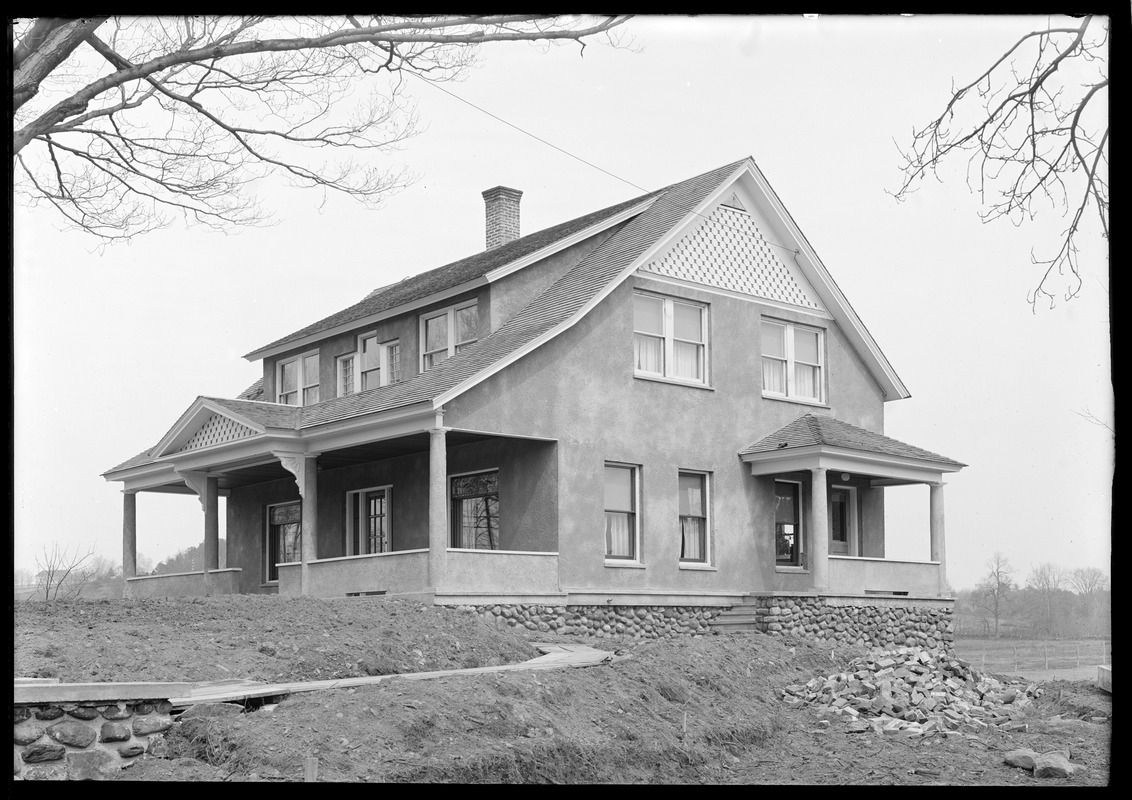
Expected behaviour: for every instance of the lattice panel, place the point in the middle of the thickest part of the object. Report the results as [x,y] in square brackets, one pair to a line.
[215,430]
[728,250]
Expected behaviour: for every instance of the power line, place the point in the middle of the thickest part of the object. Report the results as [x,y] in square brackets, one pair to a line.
[792,250]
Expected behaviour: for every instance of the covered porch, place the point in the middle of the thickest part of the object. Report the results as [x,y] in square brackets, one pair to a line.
[827,480]
[400,505]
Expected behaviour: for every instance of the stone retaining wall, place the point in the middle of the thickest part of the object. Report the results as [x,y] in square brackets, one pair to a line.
[879,623]
[637,622]
[81,741]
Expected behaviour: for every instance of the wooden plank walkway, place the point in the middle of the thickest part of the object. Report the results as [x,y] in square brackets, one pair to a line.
[555,656]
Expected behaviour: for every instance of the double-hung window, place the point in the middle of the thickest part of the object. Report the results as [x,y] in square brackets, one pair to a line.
[296,380]
[475,511]
[693,517]
[445,333]
[622,530]
[368,527]
[793,361]
[669,338]
[376,363]
[284,539]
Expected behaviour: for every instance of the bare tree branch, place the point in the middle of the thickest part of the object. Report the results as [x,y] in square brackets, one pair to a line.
[1033,138]
[123,124]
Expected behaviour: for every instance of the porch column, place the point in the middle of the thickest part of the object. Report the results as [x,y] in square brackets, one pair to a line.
[129,535]
[819,529]
[437,507]
[211,531]
[939,551]
[198,481]
[304,466]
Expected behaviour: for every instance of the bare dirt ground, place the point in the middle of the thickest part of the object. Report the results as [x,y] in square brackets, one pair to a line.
[682,710]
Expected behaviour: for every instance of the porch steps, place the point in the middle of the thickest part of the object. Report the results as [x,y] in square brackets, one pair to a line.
[738,619]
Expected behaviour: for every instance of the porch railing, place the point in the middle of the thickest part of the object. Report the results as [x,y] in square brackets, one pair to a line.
[400,571]
[857,575]
[184,584]
[501,571]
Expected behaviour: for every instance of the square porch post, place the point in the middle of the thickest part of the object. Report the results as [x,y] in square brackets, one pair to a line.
[304,466]
[437,507]
[819,529]
[211,530]
[936,528]
[129,535]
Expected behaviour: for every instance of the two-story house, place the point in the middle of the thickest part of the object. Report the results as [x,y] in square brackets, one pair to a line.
[665,402]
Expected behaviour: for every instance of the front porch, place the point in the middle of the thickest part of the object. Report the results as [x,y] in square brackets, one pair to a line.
[406,506]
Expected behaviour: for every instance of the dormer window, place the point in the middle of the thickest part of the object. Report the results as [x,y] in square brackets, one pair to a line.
[376,363]
[296,380]
[445,333]
[792,361]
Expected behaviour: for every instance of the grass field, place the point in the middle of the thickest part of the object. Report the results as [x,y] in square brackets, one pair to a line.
[1014,655]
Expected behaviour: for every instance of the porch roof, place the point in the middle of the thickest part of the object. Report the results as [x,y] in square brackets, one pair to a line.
[817,440]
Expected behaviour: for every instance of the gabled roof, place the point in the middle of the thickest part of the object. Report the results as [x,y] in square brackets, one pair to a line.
[819,430]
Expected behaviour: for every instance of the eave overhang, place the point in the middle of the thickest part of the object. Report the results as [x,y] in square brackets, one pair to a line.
[884,468]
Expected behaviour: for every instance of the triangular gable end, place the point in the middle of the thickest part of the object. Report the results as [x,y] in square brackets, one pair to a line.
[734,247]
[205,424]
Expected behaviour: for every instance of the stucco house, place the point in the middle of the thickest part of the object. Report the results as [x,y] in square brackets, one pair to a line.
[667,402]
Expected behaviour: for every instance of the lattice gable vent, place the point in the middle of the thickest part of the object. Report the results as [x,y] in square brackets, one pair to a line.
[729,250]
[216,430]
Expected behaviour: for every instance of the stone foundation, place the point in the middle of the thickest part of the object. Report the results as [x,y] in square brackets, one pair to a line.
[635,622]
[86,741]
[887,622]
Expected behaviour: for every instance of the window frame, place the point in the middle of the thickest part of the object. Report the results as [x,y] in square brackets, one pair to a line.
[790,362]
[454,522]
[706,478]
[669,338]
[354,358]
[453,346]
[852,532]
[636,559]
[800,534]
[354,500]
[302,388]
[268,565]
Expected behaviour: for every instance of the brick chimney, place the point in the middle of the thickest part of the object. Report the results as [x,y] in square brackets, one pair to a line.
[501,205]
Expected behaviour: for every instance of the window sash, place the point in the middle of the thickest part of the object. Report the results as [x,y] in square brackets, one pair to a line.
[298,380]
[784,373]
[448,332]
[692,507]
[621,525]
[788,512]
[345,375]
[669,338]
[475,511]
[284,537]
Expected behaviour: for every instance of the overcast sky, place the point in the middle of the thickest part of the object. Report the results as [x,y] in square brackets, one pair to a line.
[112,346]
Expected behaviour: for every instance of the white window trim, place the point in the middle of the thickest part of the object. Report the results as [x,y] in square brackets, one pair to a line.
[708,549]
[670,339]
[854,534]
[803,550]
[302,387]
[788,339]
[450,312]
[383,363]
[267,580]
[353,498]
[637,561]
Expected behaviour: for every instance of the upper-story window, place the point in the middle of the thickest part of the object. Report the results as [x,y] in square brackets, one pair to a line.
[375,364]
[669,338]
[296,380]
[446,332]
[792,361]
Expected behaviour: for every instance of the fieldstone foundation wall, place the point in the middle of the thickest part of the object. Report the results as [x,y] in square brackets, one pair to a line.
[637,622]
[86,741]
[876,623]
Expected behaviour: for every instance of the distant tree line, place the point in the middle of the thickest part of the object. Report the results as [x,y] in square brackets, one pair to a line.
[1051,602]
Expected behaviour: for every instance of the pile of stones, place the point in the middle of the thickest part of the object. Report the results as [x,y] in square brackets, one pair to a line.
[916,692]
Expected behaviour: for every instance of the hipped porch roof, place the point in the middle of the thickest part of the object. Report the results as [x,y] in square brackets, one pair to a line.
[817,440]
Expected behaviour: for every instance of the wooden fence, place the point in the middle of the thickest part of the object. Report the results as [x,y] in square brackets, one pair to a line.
[998,655]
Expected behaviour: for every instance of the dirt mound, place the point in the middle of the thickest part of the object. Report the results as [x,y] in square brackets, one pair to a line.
[681,710]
